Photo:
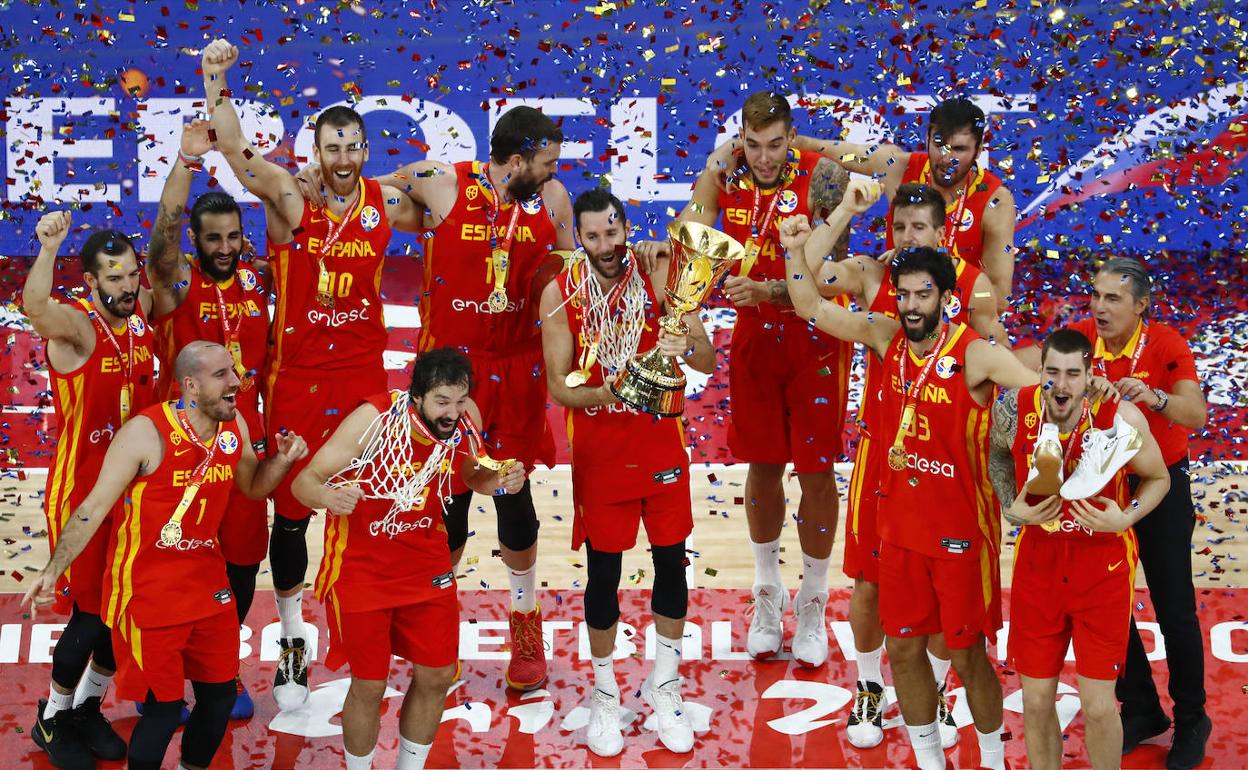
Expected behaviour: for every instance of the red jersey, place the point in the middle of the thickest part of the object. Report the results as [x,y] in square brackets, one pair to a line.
[459,269]
[941,504]
[964,218]
[885,303]
[1157,355]
[308,335]
[88,407]
[149,583]
[615,446]
[376,559]
[1030,417]
[198,317]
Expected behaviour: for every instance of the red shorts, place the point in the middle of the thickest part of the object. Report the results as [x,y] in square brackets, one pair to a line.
[162,659]
[922,595]
[788,395]
[862,535]
[1071,589]
[426,633]
[610,524]
[510,391]
[312,405]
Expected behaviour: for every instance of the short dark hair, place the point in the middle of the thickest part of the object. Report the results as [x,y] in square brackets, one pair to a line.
[914,195]
[597,199]
[1134,273]
[921,259]
[337,117]
[213,203]
[762,108]
[113,243]
[954,115]
[522,131]
[437,367]
[1068,341]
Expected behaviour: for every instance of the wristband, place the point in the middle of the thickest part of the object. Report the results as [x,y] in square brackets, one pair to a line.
[191,161]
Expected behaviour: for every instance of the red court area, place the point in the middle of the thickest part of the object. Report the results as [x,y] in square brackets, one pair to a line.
[747,714]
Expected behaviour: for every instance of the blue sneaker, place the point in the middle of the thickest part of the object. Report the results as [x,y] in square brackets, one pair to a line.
[243,707]
[186,712]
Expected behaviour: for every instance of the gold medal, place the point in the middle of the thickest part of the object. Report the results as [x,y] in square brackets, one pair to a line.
[897,458]
[171,533]
[124,402]
[576,378]
[1052,526]
[497,301]
[750,259]
[324,288]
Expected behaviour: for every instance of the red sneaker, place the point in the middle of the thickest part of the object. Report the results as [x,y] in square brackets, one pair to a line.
[527,669]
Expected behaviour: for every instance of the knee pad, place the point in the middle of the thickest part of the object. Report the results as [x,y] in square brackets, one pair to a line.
[208,722]
[602,589]
[517,519]
[84,635]
[151,736]
[288,552]
[670,595]
[455,516]
[242,579]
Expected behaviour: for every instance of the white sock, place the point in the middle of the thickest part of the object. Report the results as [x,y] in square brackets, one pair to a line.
[991,750]
[57,702]
[523,589]
[92,685]
[604,676]
[869,665]
[767,564]
[359,763]
[925,740]
[940,668]
[412,755]
[290,610]
[814,579]
[666,660]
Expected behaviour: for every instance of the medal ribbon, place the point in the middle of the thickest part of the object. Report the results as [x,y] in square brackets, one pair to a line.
[500,252]
[171,533]
[760,234]
[324,285]
[230,334]
[959,208]
[125,362]
[911,396]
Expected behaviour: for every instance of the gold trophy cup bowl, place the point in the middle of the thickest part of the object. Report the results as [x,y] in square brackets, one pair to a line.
[653,382]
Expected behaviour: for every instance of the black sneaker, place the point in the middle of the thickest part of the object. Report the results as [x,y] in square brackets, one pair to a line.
[866,722]
[97,732]
[58,737]
[1138,728]
[290,683]
[1188,748]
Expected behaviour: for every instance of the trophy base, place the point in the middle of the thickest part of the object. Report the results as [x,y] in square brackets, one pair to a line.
[652,383]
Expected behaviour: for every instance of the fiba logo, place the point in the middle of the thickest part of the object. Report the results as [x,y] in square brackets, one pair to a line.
[946,366]
[137,326]
[968,220]
[532,205]
[227,442]
[369,218]
[787,202]
[953,308]
[247,279]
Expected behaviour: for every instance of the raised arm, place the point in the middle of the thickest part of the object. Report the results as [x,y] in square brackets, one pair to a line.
[998,253]
[257,479]
[430,184]
[559,203]
[703,207]
[1001,449]
[988,364]
[166,269]
[557,350]
[835,276]
[53,320]
[983,309]
[883,161]
[266,180]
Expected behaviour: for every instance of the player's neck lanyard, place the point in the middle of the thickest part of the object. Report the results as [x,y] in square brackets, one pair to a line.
[952,226]
[1099,366]
[500,251]
[125,362]
[897,452]
[229,336]
[476,445]
[761,232]
[324,284]
[171,533]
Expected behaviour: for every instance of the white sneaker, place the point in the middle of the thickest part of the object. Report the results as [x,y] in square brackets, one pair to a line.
[1045,477]
[1104,453]
[766,628]
[944,720]
[866,721]
[675,728]
[810,641]
[603,734]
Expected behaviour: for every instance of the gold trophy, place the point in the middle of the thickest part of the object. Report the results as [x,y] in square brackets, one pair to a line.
[653,382]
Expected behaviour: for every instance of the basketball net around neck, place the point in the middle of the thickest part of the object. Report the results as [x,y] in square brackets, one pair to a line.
[615,319]
[382,468]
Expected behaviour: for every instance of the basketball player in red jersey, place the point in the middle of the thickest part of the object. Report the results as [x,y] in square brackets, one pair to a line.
[787,381]
[167,596]
[212,297]
[917,217]
[386,576]
[938,567]
[1074,562]
[494,225]
[101,368]
[979,211]
[628,468]
[328,334]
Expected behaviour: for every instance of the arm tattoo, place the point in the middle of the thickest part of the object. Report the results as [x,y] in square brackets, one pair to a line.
[165,232]
[1000,450]
[827,186]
